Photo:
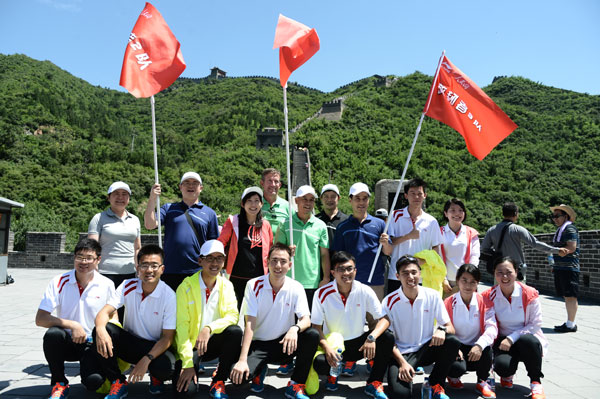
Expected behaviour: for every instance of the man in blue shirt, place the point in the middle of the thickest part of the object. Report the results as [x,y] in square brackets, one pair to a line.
[188,224]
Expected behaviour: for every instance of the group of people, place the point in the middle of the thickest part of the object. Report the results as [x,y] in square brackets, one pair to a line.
[248,295]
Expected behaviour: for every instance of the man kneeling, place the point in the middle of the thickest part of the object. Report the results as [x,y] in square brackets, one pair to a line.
[270,335]
[341,307]
[412,310]
[148,327]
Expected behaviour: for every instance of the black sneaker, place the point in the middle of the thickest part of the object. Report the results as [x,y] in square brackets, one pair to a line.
[564,329]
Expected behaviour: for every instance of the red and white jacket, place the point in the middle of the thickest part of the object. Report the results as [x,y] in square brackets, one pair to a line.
[522,315]
[475,324]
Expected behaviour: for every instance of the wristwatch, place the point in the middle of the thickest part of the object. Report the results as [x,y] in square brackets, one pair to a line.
[149,356]
[371,338]
[443,328]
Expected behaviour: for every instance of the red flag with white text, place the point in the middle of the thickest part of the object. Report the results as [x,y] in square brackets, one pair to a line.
[457,102]
[296,43]
[153,59]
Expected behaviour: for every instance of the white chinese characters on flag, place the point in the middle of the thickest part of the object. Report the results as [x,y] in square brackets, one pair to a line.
[457,102]
[153,59]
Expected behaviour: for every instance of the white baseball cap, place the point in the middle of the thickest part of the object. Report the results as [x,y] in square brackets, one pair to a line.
[358,188]
[303,190]
[119,185]
[191,175]
[381,212]
[330,187]
[251,190]
[211,247]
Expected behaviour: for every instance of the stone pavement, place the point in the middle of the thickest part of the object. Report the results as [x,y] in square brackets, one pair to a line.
[570,368]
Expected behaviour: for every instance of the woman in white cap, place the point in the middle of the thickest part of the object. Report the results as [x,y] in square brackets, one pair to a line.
[460,243]
[118,232]
[248,238]
[566,268]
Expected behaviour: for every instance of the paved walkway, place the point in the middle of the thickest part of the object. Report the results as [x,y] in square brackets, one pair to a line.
[571,367]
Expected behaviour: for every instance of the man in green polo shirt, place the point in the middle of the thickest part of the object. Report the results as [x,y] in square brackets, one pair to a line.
[311,243]
[275,209]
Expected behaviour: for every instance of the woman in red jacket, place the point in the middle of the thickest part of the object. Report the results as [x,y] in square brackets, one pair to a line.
[248,238]
[475,325]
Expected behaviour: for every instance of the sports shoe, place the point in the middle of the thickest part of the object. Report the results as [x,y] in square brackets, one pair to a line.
[506,382]
[285,369]
[437,392]
[157,387]
[563,328]
[537,392]
[370,364]
[118,390]
[375,390]
[296,391]
[59,390]
[455,383]
[349,369]
[258,383]
[485,390]
[217,390]
[419,370]
[331,384]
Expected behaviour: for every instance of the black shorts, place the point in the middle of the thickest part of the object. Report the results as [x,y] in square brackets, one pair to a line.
[566,282]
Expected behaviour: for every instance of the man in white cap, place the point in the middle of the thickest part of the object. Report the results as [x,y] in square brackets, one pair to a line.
[188,224]
[207,317]
[566,268]
[275,209]
[331,215]
[360,235]
[311,243]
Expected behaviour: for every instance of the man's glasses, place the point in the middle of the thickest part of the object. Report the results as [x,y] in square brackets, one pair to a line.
[149,266]
[85,259]
[347,269]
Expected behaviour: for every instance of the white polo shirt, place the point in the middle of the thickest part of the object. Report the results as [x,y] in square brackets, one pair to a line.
[467,322]
[510,315]
[274,315]
[62,295]
[413,324]
[329,310]
[146,317]
[402,224]
[455,248]
[210,304]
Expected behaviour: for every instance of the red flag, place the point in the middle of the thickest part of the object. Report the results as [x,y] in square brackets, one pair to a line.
[296,43]
[153,59]
[457,102]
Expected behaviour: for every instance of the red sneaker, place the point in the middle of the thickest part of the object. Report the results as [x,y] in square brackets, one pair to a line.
[506,382]
[455,383]
[485,390]
[537,392]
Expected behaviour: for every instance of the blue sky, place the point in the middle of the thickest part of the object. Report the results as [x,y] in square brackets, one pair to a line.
[556,43]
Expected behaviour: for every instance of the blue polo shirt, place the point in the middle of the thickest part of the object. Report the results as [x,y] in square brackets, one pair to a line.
[362,240]
[182,248]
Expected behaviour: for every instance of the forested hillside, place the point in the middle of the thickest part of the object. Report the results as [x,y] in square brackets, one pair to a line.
[63,141]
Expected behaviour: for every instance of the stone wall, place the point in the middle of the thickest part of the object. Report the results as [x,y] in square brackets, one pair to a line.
[47,250]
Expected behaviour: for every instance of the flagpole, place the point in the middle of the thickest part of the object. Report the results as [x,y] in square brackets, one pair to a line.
[287,157]
[412,147]
[156,169]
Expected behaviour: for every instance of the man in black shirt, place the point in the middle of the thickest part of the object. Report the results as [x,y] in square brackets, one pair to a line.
[331,215]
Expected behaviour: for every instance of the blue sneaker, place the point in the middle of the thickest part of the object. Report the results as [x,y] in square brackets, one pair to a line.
[201,369]
[437,392]
[296,391]
[157,387]
[60,390]
[285,369]
[349,369]
[217,390]
[375,390]
[419,371]
[118,390]
[258,383]
[331,384]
